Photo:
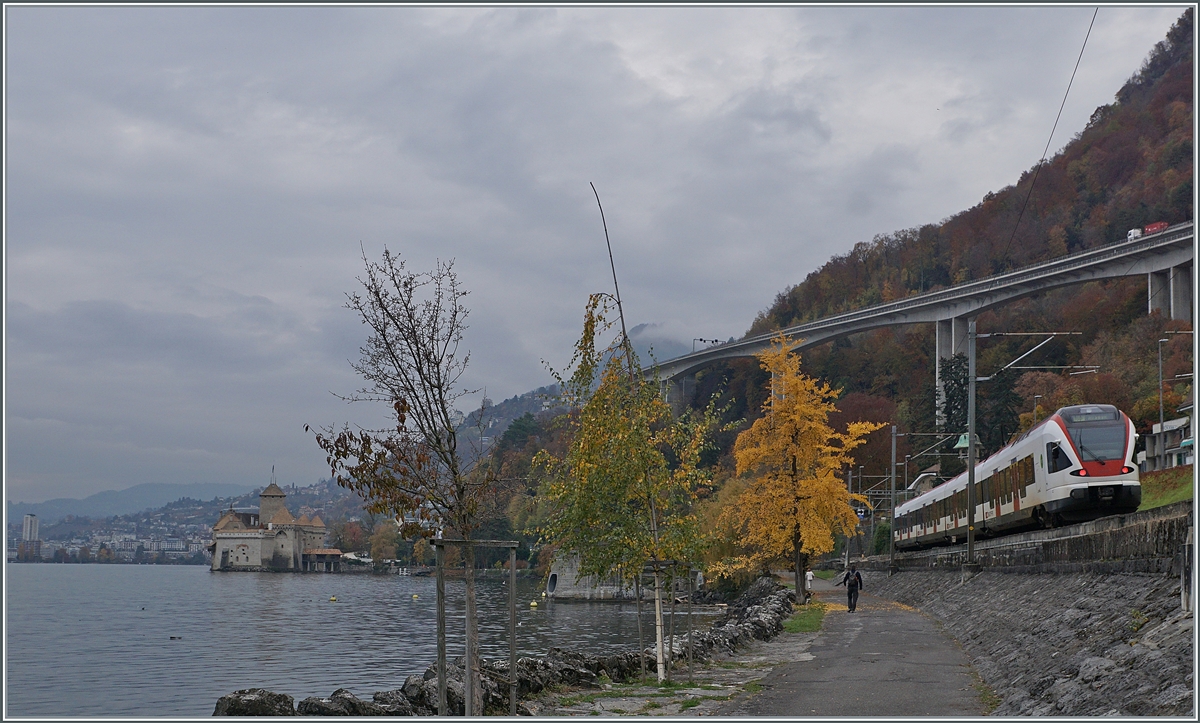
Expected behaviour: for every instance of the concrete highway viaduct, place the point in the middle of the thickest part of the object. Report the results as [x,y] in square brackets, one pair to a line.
[1165,257]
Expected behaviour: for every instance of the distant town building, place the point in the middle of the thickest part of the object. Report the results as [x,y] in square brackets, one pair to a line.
[29,551]
[29,530]
[271,539]
[1177,445]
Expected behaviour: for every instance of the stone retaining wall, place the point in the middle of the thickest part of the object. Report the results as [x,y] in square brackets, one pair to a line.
[1141,542]
[1083,644]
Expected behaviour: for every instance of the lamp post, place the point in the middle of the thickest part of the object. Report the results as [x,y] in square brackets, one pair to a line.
[1035,406]
[971,442]
[849,491]
[1162,460]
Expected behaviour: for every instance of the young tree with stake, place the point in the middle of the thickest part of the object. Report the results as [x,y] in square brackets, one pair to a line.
[615,499]
[415,472]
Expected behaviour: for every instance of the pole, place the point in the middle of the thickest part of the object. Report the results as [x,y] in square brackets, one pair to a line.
[439,555]
[512,631]
[660,661]
[971,441]
[1162,460]
[671,630]
[849,489]
[691,594]
[637,592]
[892,514]
[470,673]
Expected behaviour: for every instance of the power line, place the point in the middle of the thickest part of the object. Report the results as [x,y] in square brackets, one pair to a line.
[1038,169]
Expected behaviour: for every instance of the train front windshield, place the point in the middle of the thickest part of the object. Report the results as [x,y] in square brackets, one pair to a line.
[1099,433]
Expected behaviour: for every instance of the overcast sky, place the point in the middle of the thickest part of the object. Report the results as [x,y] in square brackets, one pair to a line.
[187,189]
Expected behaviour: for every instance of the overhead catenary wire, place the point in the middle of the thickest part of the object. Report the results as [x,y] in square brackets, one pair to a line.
[1037,169]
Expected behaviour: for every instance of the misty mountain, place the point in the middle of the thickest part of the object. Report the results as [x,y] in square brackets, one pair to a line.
[121,502]
[653,343]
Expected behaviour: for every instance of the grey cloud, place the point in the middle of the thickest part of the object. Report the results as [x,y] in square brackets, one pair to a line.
[107,332]
[188,188]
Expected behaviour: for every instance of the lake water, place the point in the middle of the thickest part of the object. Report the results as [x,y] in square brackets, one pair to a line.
[152,641]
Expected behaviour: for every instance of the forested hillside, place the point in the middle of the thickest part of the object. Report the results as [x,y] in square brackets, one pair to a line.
[1132,165]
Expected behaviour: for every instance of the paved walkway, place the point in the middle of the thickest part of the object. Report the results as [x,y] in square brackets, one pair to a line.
[883,660]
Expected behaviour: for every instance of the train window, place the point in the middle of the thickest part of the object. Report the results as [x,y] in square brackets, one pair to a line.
[1058,459]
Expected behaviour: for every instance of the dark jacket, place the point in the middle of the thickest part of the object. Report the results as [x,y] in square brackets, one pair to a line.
[852,580]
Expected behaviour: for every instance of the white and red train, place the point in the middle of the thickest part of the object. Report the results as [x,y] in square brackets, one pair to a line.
[1074,466]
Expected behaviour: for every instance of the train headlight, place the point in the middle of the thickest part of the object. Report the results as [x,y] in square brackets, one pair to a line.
[1080,473]
[1126,469]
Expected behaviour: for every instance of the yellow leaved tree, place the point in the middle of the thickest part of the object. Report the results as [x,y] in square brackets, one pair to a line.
[793,501]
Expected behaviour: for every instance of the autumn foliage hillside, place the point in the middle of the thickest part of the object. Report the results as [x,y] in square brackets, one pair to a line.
[1131,166]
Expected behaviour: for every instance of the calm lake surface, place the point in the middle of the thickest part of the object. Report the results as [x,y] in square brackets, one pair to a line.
[96,640]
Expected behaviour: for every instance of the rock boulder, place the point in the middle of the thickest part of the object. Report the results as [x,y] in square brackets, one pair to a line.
[256,702]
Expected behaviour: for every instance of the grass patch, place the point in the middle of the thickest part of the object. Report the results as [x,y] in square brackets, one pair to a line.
[807,618]
[825,574]
[987,696]
[1166,487]
[675,685]
[752,687]
[690,703]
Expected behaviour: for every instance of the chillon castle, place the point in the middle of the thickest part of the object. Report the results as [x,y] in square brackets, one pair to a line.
[271,539]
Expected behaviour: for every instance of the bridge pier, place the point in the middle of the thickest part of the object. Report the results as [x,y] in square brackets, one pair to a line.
[1170,292]
[678,392]
[951,340]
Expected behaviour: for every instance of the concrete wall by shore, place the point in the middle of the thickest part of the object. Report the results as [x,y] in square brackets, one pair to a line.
[565,583]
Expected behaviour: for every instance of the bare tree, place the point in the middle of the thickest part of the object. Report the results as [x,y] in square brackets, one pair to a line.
[411,360]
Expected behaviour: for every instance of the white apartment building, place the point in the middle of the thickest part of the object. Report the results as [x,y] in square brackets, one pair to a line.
[29,530]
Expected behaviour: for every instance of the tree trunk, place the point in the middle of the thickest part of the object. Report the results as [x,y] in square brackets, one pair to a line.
[658,626]
[637,587]
[801,562]
[671,632]
[473,695]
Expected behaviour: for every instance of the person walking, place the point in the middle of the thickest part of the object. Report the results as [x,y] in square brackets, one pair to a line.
[808,584]
[853,582]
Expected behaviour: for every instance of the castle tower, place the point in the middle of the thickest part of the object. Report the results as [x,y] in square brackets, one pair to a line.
[270,502]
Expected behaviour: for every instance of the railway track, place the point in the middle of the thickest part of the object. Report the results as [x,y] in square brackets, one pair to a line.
[1151,541]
